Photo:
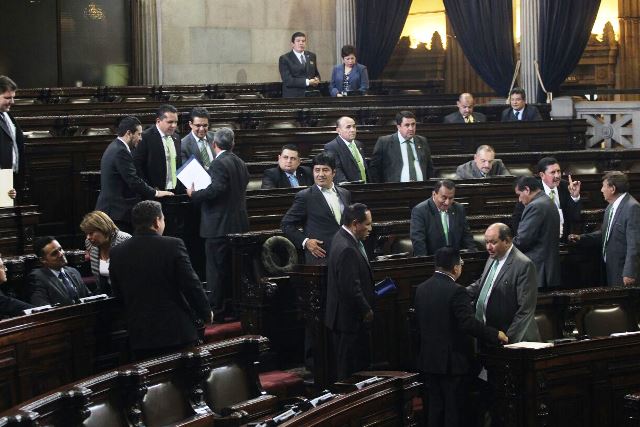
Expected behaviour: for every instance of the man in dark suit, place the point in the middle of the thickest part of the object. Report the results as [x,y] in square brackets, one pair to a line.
[465,113]
[506,294]
[289,173]
[483,165]
[619,236]
[402,156]
[446,322]
[120,186]
[318,209]
[439,221]
[152,275]
[197,142]
[10,307]
[520,110]
[349,311]
[157,156]
[350,164]
[565,195]
[298,68]
[538,232]
[11,137]
[55,282]
[223,211]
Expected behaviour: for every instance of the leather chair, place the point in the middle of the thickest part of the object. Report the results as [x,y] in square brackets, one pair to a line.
[604,321]
[402,245]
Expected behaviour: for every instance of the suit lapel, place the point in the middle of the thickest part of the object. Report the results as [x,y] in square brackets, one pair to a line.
[342,146]
[5,127]
[435,214]
[55,282]
[505,268]
[319,198]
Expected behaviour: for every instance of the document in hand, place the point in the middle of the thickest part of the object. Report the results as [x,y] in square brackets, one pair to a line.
[6,184]
[192,172]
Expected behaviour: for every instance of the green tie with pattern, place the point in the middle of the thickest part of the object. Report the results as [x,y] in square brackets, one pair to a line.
[445,225]
[204,154]
[358,159]
[171,150]
[484,292]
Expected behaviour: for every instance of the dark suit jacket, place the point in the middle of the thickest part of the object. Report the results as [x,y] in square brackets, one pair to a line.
[311,211]
[120,186]
[358,79]
[150,159]
[189,147]
[538,238]
[446,323]
[570,211]
[469,170]
[224,206]
[386,161]
[11,306]
[623,259]
[162,295]
[530,113]
[6,153]
[277,178]
[456,117]
[349,285]
[294,74]
[346,166]
[427,234]
[512,303]
[46,288]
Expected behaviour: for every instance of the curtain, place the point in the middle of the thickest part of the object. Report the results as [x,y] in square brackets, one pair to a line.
[564,31]
[484,30]
[379,24]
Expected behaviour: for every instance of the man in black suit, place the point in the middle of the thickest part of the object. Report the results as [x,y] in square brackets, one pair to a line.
[520,110]
[9,307]
[289,173]
[157,156]
[318,209]
[298,68]
[565,195]
[446,322]
[11,137]
[223,211]
[350,164]
[402,156]
[152,275]
[350,294]
[439,221]
[465,113]
[120,186]
[197,142]
[483,165]
[55,282]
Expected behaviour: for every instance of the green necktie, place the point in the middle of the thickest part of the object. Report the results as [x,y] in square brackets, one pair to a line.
[204,154]
[482,303]
[412,161]
[334,204]
[171,149]
[606,236]
[358,159]
[445,225]
[361,247]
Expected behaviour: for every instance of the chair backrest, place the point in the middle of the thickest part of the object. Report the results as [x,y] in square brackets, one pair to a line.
[164,404]
[546,327]
[604,321]
[402,245]
[226,386]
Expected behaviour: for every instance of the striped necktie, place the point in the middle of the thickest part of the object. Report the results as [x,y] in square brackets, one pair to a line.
[481,304]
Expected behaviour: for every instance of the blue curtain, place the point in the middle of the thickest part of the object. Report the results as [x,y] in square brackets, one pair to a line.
[564,30]
[379,24]
[484,30]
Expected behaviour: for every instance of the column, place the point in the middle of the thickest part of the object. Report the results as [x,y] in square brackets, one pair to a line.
[345,25]
[629,46]
[145,55]
[529,20]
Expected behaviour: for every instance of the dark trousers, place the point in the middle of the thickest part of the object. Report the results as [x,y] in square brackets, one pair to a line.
[449,400]
[218,270]
[352,351]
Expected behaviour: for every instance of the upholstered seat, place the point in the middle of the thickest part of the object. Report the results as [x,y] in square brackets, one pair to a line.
[164,404]
[604,321]
[222,331]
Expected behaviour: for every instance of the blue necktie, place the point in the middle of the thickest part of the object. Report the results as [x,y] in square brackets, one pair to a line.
[293,180]
[71,291]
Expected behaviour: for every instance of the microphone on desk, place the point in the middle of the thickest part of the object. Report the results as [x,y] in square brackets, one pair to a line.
[351,182]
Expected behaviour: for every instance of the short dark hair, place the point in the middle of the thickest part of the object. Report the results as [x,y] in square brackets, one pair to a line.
[446,258]
[129,123]
[297,34]
[504,232]
[223,138]
[404,114]
[201,112]
[347,50]
[7,84]
[144,214]
[325,158]
[518,91]
[164,109]
[40,243]
[528,181]
[355,212]
[545,162]
[618,180]
[292,147]
[446,183]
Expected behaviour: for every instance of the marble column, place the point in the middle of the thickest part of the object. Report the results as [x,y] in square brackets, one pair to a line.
[629,46]
[145,55]
[529,27]
[345,25]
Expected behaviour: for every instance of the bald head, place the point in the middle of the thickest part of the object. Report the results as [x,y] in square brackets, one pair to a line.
[346,128]
[484,157]
[497,239]
[465,104]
